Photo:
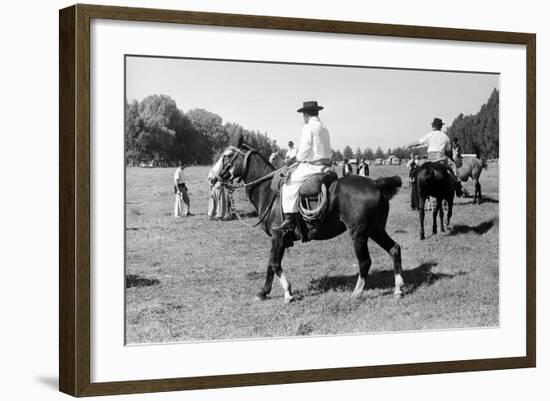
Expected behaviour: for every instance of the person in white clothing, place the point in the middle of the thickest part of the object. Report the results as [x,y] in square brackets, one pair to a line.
[439,146]
[182,204]
[290,157]
[313,156]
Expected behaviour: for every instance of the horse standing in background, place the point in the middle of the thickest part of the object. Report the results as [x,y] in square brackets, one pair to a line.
[472,168]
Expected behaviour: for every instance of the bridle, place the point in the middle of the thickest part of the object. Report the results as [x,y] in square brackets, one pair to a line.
[240,184]
[230,187]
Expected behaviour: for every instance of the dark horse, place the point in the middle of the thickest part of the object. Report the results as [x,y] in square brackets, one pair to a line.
[357,204]
[433,179]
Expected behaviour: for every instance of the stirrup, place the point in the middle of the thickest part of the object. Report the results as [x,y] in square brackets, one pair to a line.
[288,224]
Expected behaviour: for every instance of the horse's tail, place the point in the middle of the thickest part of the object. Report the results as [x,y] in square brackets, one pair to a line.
[389,186]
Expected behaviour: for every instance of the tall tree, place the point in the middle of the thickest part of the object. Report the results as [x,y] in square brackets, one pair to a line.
[337,156]
[479,133]
[210,126]
[347,153]
[368,154]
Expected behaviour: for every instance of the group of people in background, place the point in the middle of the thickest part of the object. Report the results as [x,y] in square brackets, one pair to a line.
[219,207]
[362,168]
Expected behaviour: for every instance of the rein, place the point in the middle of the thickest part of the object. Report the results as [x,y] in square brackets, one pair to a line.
[232,187]
[265,213]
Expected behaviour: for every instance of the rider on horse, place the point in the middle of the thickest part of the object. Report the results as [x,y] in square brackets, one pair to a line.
[313,156]
[439,148]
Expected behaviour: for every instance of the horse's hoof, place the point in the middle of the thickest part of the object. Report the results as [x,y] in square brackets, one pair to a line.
[260,297]
[356,296]
[289,299]
[422,237]
[398,295]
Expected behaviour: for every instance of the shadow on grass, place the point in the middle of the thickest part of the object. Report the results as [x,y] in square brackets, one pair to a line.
[133,280]
[487,199]
[483,200]
[481,228]
[382,280]
[244,214]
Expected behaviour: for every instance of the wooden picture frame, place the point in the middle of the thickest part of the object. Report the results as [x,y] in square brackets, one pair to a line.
[74,199]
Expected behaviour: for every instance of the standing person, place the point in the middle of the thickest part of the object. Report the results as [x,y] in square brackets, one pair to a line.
[182,205]
[456,149]
[290,154]
[411,161]
[346,168]
[412,164]
[218,207]
[363,168]
[366,168]
[313,156]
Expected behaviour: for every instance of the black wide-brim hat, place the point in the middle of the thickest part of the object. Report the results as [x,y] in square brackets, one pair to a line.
[310,106]
[438,121]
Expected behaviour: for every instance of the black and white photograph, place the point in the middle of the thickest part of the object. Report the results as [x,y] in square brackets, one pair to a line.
[268,199]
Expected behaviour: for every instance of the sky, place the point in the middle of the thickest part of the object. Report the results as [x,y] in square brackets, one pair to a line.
[363,107]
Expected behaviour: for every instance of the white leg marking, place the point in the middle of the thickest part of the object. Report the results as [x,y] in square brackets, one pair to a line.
[398,284]
[359,287]
[286,288]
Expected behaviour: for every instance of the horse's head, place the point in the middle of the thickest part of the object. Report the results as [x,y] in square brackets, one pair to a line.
[233,162]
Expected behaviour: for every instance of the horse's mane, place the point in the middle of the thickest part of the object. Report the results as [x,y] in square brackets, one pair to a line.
[263,158]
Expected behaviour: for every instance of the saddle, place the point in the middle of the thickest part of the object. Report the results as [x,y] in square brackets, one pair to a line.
[312,187]
[314,198]
[313,201]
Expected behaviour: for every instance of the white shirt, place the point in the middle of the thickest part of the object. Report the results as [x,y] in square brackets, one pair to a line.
[437,141]
[314,142]
[178,176]
[291,154]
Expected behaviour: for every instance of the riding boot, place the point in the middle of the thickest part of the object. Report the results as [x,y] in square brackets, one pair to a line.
[289,223]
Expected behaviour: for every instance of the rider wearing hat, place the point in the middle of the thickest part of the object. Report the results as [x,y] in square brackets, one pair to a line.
[439,146]
[313,156]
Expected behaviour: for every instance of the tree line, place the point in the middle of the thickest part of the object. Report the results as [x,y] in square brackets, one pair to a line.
[479,133]
[368,153]
[157,132]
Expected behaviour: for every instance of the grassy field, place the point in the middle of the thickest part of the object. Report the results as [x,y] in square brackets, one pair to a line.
[194,279]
